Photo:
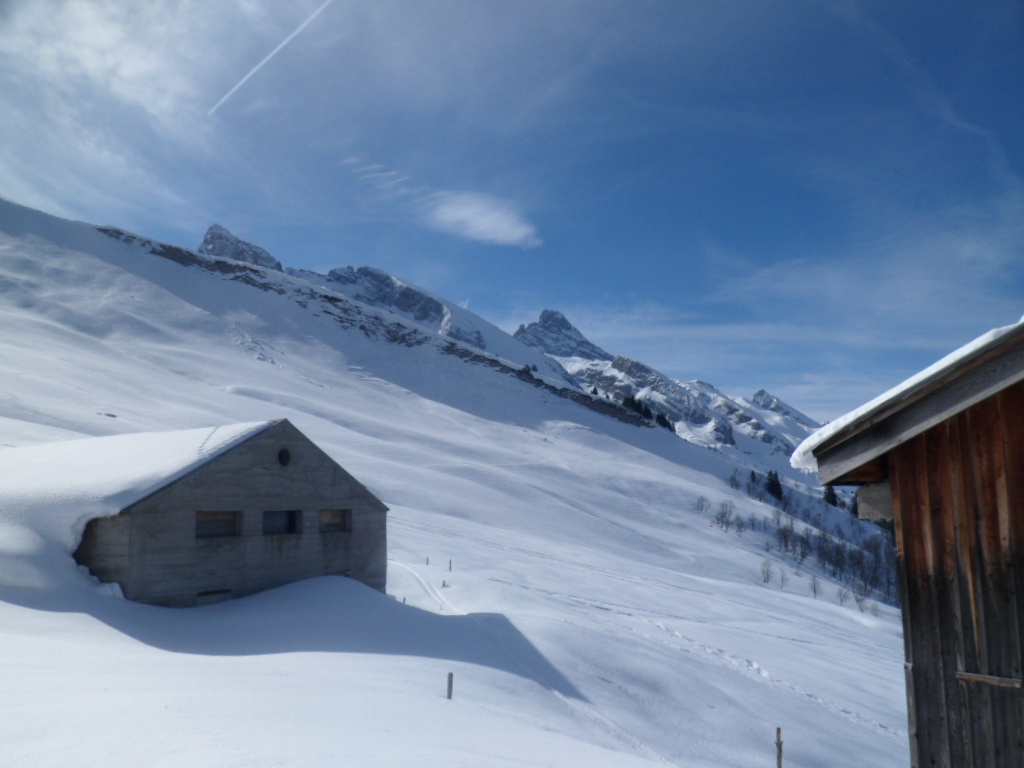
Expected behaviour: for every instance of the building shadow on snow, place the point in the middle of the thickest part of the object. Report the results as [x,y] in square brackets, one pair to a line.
[328,614]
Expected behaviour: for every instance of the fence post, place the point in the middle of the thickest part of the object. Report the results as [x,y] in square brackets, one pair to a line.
[451,678]
[778,747]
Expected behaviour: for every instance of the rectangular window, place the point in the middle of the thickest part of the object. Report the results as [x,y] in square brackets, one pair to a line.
[335,520]
[211,525]
[281,521]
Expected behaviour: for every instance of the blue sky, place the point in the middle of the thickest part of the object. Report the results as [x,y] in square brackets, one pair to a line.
[816,197]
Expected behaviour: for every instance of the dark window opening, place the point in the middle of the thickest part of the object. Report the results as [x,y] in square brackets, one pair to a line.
[335,520]
[284,457]
[210,525]
[281,521]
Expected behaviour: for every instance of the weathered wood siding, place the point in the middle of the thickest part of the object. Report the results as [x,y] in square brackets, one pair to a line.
[151,549]
[958,493]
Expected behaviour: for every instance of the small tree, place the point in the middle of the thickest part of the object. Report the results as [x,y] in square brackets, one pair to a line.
[773,485]
[783,577]
[741,525]
[724,515]
[767,571]
[815,586]
[860,594]
[734,480]
[830,496]
[843,595]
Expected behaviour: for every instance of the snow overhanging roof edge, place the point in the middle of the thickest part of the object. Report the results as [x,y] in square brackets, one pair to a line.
[962,364]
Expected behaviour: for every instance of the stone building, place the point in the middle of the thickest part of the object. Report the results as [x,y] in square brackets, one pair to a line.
[263,507]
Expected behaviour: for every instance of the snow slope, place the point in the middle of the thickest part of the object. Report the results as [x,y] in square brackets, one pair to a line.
[553,558]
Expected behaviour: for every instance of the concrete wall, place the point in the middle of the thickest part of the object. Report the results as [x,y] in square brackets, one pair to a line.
[152,551]
[874,501]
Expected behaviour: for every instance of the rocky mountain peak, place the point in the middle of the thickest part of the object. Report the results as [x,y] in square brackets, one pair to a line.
[556,336]
[768,401]
[220,242]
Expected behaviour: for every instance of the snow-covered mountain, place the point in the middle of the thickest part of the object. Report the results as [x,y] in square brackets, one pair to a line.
[559,557]
[219,242]
[698,412]
[556,336]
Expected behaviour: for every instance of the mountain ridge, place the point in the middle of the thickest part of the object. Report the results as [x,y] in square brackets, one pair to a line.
[698,410]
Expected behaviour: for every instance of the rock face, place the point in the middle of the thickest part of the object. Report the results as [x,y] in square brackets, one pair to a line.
[697,411]
[556,336]
[219,242]
[379,289]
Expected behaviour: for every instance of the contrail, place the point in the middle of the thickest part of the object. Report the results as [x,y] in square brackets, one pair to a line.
[268,57]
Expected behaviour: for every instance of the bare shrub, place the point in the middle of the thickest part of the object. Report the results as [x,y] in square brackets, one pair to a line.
[815,585]
[724,515]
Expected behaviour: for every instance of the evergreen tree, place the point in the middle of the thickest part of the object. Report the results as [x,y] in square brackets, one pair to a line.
[773,485]
[830,496]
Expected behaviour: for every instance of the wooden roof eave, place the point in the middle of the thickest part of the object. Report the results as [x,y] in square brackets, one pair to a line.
[855,454]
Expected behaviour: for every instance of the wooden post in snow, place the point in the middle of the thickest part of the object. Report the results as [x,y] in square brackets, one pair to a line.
[451,679]
[778,747]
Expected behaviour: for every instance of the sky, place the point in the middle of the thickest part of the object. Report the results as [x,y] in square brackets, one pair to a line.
[817,197]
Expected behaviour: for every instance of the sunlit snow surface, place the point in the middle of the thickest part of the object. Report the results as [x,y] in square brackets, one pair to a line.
[552,558]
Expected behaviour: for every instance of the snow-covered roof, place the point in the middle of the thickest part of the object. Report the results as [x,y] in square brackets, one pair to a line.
[58,487]
[804,458]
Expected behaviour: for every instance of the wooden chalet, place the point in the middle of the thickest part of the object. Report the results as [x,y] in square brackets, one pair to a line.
[944,456]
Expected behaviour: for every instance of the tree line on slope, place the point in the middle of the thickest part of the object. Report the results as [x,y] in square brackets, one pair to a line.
[864,564]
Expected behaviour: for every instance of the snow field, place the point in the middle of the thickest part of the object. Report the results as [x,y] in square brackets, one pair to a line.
[592,615]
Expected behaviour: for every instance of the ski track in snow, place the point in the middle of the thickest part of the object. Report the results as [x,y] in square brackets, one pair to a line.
[434,594]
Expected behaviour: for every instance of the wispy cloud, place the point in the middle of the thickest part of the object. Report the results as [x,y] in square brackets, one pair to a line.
[475,216]
[139,58]
[469,215]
